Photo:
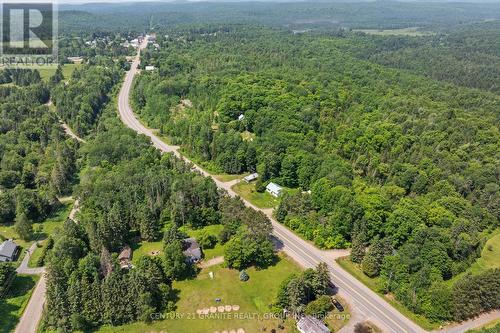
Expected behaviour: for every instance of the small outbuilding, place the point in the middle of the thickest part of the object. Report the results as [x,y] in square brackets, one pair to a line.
[125,257]
[310,324]
[274,189]
[150,68]
[192,250]
[8,251]
[251,177]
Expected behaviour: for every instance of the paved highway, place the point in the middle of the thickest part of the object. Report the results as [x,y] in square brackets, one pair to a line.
[365,304]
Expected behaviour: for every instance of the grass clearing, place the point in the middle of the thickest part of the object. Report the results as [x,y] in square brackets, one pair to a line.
[50,225]
[16,300]
[215,230]
[253,297]
[248,192]
[490,255]
[41,230]
[68,69]
[144,248]
[373,284]
[36,255]
[227,177]
[490,258]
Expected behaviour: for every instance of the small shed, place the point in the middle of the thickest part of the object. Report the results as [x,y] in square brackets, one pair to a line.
[192,250]
[310,324]
[150,68]
[8,251]
[241,117]
[251,177]
[125,256]
[274,189]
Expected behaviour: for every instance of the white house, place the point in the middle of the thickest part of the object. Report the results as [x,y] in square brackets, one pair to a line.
[310,324]
[150,68]
[274,189]
[251,177]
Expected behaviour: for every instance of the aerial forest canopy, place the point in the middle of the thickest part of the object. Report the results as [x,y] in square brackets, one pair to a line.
[398,163]
[379,119]
[37,162]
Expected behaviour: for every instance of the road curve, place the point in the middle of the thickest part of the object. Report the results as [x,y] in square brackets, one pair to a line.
[365,303]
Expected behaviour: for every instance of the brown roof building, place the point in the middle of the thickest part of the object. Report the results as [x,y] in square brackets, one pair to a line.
[125,256]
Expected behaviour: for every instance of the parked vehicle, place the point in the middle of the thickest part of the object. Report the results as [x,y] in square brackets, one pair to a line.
[337,305]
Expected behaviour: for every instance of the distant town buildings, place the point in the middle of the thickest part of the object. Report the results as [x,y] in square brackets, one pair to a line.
[274,189]
[8,251]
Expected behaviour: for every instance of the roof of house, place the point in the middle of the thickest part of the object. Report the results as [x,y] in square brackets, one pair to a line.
[310,324]
[273,187]
[192,248]
[251,176]
[126,253]
[8,249]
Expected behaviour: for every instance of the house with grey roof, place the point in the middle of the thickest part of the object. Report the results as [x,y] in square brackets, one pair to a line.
[8,251]
[310,324]
[192,250]
[274,189]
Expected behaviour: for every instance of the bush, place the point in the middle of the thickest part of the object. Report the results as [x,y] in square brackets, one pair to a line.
[45,250]
[362,328]
[7,272]
[207,241]
[320,307]
[474,294]
[244,276]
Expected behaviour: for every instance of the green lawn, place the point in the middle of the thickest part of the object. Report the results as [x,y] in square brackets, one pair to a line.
[42,229]
[13,305]
[147,248]
[215,230]
[252,296]
[142,249]
[49,225]
[227,177]
[490,258]
[248,192]
[372,283]
[47,73]
[36,255]
[490,255]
